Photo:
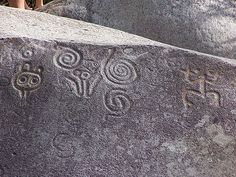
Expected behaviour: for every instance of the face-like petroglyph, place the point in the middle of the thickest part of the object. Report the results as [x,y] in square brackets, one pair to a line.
[84,83]
[130,101]
[85,79]
[194,77]
[119,71]
[84,76]
[117,102]
[67,58]
[27,79]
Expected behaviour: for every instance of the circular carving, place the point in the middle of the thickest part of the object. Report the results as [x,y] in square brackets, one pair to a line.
[27,79]
[128,50]
[117,102]
[22,79]
[62,142]
[85,75]
[120,72]
[68,59]
[35,80]
[27,53]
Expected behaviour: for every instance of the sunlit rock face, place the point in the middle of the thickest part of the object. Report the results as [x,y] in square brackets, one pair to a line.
[207,25]
[81,100]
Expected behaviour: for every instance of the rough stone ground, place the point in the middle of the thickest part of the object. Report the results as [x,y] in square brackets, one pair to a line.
[81,100]
[203,25]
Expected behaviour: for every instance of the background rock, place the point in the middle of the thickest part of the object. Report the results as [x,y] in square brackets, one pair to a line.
[207,26]
[80,100]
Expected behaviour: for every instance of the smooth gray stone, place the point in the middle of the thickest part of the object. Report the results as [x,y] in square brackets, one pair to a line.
[96,102]
[206,26]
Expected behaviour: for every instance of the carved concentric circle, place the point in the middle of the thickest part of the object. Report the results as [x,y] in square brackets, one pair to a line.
[117,102]
[120,72]
[28,53]
[68,59]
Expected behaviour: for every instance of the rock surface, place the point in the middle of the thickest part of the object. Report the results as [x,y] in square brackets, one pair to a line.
[80,100]
[206,26]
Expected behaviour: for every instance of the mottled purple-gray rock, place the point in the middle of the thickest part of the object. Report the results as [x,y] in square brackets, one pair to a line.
[81,100]
[206,26]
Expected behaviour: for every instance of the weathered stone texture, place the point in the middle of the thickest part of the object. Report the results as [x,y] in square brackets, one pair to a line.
[207,26]
[110,104]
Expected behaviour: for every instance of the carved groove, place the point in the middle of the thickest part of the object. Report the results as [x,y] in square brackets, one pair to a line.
[119,71]
[27,53]
[196,77]
[27,79]
[68,59]
[117,102]
[63,144]
[83,84]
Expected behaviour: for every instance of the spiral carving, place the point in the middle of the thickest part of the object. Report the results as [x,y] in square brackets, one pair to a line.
[117,102]
[120,72]
[68,59]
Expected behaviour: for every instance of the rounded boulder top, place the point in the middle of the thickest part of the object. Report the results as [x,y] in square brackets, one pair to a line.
[206,26]
[104,103]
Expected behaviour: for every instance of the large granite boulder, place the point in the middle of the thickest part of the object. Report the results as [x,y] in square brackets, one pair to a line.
[81,100]
[207,26]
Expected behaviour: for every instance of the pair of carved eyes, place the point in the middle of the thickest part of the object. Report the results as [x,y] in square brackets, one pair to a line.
[31,79]
[84,74]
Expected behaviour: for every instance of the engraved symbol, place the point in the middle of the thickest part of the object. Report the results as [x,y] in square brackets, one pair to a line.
[63,143]
[27,53]
[68,59]
[90,65]
[82,86]
[85,78]
[117,102]
[83,82]
[119,71]
[27,79]
[128,50]
[194,77]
